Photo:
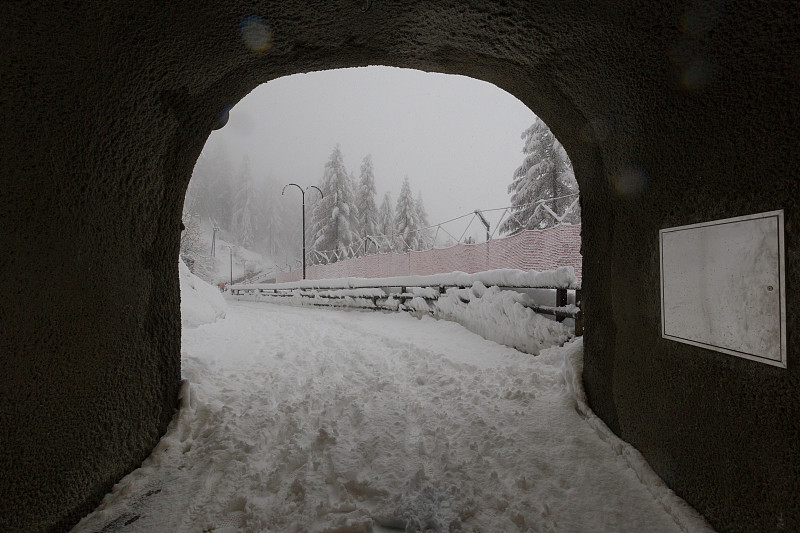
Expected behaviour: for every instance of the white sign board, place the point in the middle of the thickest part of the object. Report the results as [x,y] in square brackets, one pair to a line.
[722,286]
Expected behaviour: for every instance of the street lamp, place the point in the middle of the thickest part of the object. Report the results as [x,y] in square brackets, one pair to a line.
[303,192]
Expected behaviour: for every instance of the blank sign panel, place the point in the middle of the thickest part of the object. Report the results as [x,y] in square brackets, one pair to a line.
[722,286]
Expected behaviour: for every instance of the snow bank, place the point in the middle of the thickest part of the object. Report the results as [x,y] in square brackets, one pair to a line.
[562,277]
[201,303]
[501,316]
[572,355]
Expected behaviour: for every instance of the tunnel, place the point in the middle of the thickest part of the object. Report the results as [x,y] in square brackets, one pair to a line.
[672,114]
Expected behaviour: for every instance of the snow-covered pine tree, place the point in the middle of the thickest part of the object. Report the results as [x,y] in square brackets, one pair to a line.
[570,207]
[424,239]
[194,249]
[357,233]
[406,220]
[365,199]
[545,174]
[210,188]
[335,218]
[197,194]
[313,199]
[276,217]
[246,208]
[386,222]
[290,239]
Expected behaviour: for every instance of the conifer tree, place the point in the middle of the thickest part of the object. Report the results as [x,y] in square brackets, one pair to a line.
[246,208]
[335,218]
[545,174]
[386,215]
[279,220]
[210,190]
[406,220]
[424,238]
[386,221]
[365,199]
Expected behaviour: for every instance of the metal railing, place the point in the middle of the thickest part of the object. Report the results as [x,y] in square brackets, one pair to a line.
[395,297]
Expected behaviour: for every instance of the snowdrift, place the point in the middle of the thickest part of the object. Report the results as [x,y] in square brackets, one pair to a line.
[501,316]
[201,303]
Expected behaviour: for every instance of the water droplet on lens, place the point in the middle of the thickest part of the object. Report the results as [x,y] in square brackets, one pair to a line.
[256,33]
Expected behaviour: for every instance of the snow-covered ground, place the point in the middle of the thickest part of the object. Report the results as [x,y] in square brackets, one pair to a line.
[321,420]
[201,303]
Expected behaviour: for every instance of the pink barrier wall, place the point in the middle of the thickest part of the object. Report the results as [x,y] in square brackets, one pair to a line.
[530,250]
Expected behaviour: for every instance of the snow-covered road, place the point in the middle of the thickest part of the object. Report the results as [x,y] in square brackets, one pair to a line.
[299,419]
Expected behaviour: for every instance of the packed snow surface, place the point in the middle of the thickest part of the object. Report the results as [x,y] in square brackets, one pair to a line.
[319,420]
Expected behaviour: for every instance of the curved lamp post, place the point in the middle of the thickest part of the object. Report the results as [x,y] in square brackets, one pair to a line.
[303,192]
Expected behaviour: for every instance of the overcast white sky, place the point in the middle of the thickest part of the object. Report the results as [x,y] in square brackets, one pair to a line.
[456,138]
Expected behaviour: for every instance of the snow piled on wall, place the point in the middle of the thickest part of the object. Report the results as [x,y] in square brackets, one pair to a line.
[571,357]
[201,303]
[563,277]
[501,316]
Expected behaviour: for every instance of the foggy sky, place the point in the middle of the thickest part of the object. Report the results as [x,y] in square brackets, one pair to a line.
[456,138]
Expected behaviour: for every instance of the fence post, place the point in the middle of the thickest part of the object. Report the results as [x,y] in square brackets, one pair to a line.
[579,316]
[561,301]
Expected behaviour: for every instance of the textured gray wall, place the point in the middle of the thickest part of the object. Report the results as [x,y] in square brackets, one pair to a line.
[106,108]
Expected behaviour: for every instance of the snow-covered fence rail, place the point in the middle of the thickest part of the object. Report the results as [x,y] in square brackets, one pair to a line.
[422,294]
[400,298]
[528,250]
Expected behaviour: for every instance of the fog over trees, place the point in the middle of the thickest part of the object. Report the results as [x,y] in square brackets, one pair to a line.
[244,203]
[247,206]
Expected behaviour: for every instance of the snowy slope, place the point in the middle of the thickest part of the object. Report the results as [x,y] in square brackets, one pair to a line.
[318,420]
[222,265]
[201,303]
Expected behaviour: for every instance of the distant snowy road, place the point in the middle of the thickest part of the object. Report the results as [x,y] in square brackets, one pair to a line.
[321,420]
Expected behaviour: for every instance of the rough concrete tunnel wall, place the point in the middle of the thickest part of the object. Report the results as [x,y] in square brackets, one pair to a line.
[672,114]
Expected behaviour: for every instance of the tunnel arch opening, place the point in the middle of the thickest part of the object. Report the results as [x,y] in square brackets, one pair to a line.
[486,166]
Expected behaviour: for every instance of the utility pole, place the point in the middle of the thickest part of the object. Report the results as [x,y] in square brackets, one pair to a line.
[214,241]
[485,223]
[303,192]
[231,249]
